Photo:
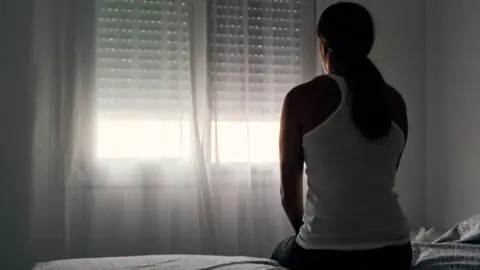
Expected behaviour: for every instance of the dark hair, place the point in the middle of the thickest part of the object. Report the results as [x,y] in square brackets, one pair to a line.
[346,30]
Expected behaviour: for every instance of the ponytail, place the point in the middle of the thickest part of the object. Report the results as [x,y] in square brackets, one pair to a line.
[368,99]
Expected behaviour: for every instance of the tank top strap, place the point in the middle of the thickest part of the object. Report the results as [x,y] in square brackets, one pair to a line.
[342,84]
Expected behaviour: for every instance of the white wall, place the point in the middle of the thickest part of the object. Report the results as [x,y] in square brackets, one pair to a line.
[453,111]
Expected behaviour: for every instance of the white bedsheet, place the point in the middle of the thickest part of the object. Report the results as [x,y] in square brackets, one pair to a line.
[162,262]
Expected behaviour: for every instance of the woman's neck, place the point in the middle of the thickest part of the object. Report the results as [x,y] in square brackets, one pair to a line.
[341,66]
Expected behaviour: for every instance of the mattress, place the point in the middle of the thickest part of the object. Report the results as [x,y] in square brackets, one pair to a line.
[458,248]
[162,262]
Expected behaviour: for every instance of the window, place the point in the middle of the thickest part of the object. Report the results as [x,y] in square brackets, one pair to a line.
[143,97]
[255,59]
[257,51]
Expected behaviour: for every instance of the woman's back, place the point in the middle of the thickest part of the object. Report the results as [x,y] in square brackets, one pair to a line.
[350,128]
[350,203]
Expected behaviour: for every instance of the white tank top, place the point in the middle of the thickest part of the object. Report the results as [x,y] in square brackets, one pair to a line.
[351,203]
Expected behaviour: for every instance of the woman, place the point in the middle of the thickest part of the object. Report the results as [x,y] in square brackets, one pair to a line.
[350,128]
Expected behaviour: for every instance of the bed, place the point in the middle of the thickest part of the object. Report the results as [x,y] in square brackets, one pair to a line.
[458,248]
[162,262]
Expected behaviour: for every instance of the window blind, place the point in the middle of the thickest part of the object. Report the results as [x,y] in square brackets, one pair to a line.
[143,56]
[256,55]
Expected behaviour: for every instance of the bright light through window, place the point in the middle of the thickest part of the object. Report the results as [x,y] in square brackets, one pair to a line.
[255,142]
[143,139]
[231,141]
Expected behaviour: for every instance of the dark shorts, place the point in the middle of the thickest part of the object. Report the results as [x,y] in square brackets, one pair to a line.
[291,256]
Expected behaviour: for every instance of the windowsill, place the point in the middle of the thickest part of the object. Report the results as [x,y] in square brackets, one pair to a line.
[129,173]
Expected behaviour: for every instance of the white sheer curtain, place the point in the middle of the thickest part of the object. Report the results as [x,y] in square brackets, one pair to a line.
[157,121]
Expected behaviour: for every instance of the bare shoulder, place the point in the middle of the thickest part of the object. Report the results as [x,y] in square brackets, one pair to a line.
[319,85]
[399,109]
[397,101]
[314,101]
[396,95]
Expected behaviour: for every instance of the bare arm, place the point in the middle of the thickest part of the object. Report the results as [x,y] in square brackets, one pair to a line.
[291,164]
